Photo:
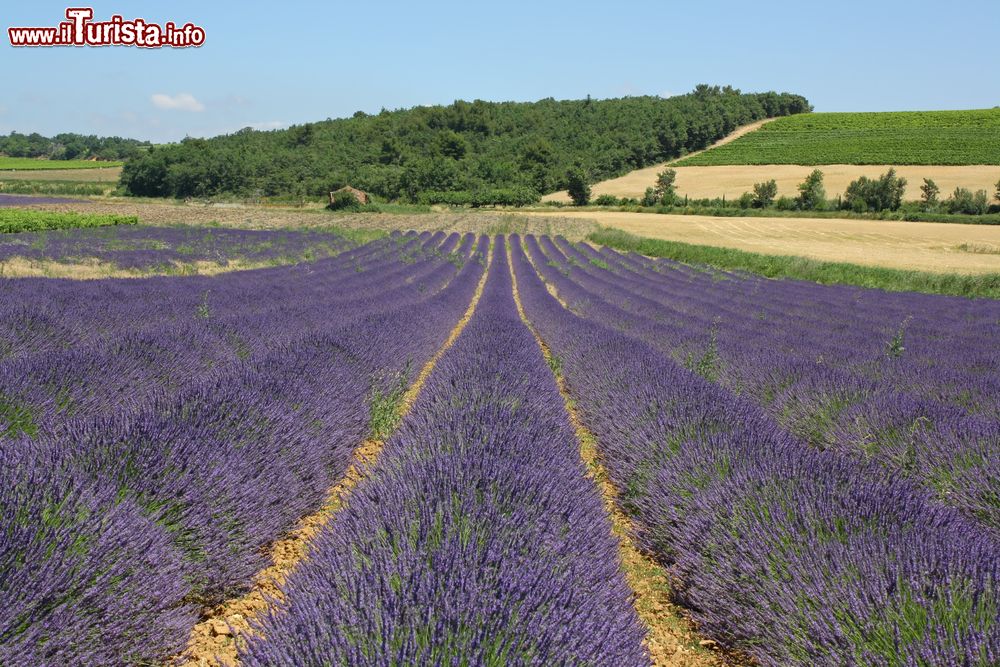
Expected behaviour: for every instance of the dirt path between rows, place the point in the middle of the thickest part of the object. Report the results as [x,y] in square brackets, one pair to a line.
[215,641]
[672,639]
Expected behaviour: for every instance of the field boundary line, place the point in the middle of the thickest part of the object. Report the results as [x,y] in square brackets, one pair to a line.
[671,638]
[215,640]
[740,131]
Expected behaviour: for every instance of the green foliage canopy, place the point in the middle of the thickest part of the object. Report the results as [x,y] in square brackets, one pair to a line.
[464,146]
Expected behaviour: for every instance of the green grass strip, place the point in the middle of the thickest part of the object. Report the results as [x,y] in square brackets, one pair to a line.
[34,164]
[13,220]
[985,285]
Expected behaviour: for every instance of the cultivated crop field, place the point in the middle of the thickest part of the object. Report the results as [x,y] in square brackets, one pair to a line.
[100,174]
[894,138]
[132,251]
[33,164]
[445,448]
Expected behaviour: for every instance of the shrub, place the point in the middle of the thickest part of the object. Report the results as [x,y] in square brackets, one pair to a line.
[344,201]
[930,194]
[746,200]
[881,194]
[785,204]
[517,196]
[764,193]
[665,191]
[812,195]
[606,200]
[452,198]
[967,202]
[576,184]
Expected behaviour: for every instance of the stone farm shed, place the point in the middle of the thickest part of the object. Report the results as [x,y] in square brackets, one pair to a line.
[360,195]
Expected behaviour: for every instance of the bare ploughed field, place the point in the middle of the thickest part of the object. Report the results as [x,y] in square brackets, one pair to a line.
[273,217]
[922,246]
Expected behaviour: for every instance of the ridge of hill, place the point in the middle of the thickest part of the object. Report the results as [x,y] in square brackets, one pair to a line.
[465,146]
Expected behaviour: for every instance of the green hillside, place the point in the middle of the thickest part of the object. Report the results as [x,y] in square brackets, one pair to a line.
[909,137]
[462,147]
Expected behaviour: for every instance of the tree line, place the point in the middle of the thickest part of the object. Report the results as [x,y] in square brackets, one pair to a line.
[69,146]
[863,195]
[474,148]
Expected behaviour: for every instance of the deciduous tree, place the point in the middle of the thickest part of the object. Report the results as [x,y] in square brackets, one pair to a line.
[764,193]
[930,194]
[812,195]
[579,189]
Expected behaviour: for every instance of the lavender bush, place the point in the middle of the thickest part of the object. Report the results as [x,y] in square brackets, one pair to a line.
[162,248]
[476,538]
[159,485]
[796,556]
[841,368]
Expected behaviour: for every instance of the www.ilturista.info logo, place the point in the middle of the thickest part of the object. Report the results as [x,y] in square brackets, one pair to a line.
[81,30]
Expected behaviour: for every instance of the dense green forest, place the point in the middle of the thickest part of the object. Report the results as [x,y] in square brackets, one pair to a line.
[69,146]
[463,147]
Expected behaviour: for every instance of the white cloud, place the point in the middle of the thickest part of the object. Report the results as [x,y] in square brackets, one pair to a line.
[269,125]
[180,102]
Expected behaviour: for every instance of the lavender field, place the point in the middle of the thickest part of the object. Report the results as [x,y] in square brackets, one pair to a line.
[164,249]
[816,468]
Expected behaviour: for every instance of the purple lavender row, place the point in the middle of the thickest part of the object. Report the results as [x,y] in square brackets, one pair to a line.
[476,538]
[931,347]
[43,315]
[795,556]
[71,478]
[123,369]
[264,464]
[28,200]
[152,247]
[832,405]
[118,531]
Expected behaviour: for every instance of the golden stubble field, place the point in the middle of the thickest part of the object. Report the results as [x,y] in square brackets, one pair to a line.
[734,180]
[922,246]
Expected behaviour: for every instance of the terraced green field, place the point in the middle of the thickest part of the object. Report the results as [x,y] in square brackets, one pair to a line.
[908,137]
[32,164]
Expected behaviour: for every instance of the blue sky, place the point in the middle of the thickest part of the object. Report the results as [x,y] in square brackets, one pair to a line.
[268,64]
